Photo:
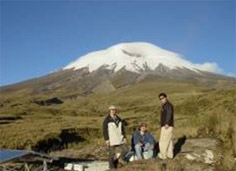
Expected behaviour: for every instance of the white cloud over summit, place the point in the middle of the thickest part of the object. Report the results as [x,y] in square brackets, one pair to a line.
[210,66]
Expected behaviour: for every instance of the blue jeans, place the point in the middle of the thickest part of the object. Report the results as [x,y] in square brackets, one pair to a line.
[143,151]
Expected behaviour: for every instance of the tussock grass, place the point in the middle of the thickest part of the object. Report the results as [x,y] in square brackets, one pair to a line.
[199,112]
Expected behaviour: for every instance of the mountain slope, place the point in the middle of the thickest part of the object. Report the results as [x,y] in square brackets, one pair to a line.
[119,66]
[68,106]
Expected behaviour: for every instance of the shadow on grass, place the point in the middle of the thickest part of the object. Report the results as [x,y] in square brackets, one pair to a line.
[178,145]
[58,142]
[9,119]
[156,150]
[68,136]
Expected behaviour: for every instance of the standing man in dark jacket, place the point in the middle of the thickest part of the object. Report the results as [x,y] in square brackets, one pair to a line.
[167,124]
[114,135]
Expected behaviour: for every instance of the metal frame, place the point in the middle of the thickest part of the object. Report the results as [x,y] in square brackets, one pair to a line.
[7,163]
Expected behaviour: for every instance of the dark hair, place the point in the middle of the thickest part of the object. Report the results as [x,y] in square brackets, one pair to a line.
[142,124]
[162,94]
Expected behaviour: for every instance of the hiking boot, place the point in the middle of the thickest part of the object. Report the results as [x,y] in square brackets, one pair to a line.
[164,161]
[122,161]
[157,159]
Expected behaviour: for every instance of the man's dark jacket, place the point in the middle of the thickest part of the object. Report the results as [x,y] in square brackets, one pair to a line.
[167,114]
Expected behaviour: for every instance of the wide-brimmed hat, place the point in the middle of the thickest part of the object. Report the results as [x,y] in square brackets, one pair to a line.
[112,107]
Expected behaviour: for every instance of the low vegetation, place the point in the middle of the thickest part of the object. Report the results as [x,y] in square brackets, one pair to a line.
[199,112]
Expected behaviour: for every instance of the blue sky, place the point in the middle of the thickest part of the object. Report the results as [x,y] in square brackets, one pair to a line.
[38,37]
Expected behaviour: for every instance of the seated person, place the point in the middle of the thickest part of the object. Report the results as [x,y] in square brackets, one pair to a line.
[143,142]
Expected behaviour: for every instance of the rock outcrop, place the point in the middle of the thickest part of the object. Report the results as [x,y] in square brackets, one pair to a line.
[200,154]
[192,154]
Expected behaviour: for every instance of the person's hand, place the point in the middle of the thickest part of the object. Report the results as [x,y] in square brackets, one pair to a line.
[151,147]
[108,143]
[125,140]
[166,126]
[140,144]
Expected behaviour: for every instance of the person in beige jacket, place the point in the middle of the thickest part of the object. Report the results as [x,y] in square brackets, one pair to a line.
[114,135]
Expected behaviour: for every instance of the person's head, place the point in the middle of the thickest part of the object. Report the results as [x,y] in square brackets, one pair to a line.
[143,127]
[112,110]
[163,98]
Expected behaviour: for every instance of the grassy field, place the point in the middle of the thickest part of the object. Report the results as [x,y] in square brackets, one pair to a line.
[199,112]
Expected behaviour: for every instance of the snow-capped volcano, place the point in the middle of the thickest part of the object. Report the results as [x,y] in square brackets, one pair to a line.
[137,57]
[124,65]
